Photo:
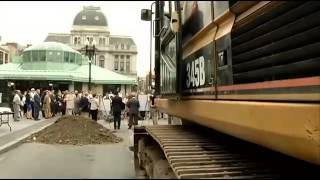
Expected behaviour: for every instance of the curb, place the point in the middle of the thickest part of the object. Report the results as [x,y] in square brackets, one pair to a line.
[19,141]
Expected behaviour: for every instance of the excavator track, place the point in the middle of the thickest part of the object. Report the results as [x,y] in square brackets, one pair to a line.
[193,154]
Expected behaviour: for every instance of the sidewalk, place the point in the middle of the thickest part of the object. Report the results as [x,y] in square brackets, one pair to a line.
[16,126]
[20,130]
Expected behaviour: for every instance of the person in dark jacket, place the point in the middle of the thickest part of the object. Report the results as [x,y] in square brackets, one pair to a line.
[117,107]
[58,104]
[29,106]
[42,95]
[133,105]
[64,104]
[84,105]
[52,103]
[37,104]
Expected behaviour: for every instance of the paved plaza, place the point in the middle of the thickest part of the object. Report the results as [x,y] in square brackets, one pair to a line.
[35,160]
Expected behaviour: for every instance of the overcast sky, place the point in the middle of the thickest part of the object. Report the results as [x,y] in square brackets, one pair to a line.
[30,22]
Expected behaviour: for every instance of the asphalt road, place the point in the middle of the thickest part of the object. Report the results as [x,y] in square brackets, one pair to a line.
[33,160]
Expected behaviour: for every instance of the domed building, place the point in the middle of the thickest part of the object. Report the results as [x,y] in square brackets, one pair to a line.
[115,53]
[53,65]
[60,62]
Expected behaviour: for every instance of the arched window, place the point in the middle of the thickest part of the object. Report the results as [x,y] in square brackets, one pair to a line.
[101,61]
[77,40]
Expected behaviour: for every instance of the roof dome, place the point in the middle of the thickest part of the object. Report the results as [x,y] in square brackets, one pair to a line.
[53,46]
[51,56]
[90,16]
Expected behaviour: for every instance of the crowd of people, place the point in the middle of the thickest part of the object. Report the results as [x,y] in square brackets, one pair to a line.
[50,103]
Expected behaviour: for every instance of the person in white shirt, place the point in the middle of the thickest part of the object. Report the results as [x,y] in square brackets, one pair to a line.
[94,106]
[32,93]
[70,98]
[16,105]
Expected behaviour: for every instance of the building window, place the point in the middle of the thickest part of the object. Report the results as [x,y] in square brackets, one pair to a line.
[66,56]
[117,46]
[72,57]
[90,39]
[116,56]
[128,66]
[128,57]
[122,46]
[102,41]
[42,55]
[6,59]
[122,56]
[116,65]
[50,56]
[77,40]
[35,56]
[25,56]
[1,57]
[78,59]
[84,17]
[101,61]
[128,46]
[121,65]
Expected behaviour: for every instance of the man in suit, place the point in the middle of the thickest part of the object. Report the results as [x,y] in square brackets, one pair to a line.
[117,107]
[133,105]
[37,104]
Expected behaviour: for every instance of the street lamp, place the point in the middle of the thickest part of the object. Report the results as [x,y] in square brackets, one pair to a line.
[90,52]
[146,15]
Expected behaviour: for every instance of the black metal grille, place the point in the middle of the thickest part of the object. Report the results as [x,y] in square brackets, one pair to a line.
[280,44]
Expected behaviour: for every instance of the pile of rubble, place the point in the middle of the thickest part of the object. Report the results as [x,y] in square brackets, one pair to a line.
[74,130]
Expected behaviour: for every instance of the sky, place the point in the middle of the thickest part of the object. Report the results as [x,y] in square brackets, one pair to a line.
[29,22]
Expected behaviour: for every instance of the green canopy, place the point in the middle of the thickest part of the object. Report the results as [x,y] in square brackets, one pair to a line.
[80,73]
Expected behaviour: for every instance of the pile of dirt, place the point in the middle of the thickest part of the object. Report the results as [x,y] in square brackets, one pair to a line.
[74,130]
